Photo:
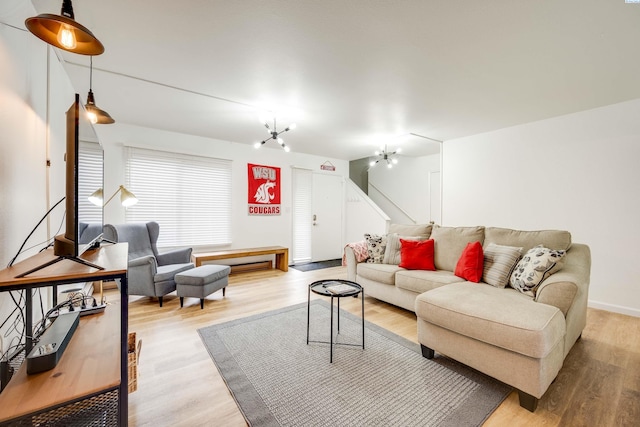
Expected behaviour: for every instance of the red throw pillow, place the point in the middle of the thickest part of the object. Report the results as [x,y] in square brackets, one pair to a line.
[471,263]
[417,255]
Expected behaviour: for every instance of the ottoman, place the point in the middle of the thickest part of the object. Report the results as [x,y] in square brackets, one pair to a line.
[202,281]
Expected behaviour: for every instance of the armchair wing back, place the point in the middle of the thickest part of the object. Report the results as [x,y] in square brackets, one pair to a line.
[150,273]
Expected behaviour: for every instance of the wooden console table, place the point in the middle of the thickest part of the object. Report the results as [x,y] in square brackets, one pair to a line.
[281,253]
[93,368]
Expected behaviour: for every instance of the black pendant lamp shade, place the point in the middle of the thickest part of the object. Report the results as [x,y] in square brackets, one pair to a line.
[64,32]
[96,115]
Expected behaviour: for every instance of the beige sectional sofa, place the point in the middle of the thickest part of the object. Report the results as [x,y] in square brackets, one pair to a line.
[519,339]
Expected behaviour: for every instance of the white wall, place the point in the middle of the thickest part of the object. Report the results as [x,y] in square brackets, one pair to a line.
[248,231]
[577,172]
[405,187]
[34,94]
[362,215]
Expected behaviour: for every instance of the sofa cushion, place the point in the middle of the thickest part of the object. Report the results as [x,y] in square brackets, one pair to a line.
[376,245]
[420,281]
[535,266]
[416,230]
[471,263]
[451,241]
[499,262]
[416,255]
[502,317]
[383,273]
[392,251]
[553,239]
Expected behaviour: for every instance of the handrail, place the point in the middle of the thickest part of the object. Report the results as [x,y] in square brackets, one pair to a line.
[393,203]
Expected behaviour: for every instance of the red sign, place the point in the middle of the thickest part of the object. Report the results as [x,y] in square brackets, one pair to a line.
[264,190]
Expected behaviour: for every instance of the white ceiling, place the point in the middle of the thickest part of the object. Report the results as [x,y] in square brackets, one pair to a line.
[354,74]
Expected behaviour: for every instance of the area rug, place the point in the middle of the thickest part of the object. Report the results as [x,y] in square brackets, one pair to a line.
[318,265]
[279,380]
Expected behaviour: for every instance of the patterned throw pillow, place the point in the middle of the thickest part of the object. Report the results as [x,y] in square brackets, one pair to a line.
[376,245]
[499,262]
[535,266]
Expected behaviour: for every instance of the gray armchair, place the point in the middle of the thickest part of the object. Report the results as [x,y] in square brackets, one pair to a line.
[150,273]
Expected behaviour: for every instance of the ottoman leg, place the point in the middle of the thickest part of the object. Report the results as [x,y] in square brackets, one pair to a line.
[201,303]
[160,300]
[224,290]
[181,302]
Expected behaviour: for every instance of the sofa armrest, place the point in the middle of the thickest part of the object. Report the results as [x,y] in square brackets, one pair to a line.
[352,263]
[178,256]
[569,284]
[559,294]
[144,261]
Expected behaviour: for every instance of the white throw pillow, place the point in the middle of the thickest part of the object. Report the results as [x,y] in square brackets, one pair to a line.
[376,245]
[535,266]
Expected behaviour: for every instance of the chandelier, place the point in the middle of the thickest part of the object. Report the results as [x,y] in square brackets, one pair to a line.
[386,156]
[274,134]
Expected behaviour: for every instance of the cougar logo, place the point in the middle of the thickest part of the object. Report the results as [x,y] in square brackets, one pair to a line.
[263,195]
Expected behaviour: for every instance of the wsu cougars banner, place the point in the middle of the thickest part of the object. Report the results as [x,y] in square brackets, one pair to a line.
[264,190]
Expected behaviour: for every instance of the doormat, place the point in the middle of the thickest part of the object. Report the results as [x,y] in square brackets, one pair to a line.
[318,265]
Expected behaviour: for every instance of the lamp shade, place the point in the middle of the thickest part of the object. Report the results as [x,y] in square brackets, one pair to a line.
[96,115]
[97,197]
[127,198]
[64,32]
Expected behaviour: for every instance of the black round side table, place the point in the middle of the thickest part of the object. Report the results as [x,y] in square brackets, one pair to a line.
[335,288]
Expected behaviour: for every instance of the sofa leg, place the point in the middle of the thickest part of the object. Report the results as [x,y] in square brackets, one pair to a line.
[181,302]
[527,401]
[427,352]
[201,303]
[160,301]
[224,291]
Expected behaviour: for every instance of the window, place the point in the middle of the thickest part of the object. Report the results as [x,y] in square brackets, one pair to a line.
[89,180]
[302,186]
[189,196]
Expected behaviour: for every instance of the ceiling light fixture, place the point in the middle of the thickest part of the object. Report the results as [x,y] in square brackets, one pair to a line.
[275,134]
[64,32]
[385,155]
[95,114]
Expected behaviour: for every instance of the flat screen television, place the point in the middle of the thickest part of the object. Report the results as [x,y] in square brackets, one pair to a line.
[83,175]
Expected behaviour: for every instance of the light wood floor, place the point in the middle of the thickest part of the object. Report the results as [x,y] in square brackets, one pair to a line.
[179,385]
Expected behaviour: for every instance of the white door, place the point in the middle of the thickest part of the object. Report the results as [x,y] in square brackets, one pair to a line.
[327,214]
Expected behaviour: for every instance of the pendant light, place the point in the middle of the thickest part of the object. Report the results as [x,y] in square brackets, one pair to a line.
[385,156]
[64,32]
[275,135]
[96,115]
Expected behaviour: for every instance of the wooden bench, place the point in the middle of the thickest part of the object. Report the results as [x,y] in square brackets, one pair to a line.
[281,253]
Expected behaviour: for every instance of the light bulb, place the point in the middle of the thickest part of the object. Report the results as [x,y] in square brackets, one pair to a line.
[286,148]
[389,165]
[372,164]
[257,145]
[280,141]
[66,37]
[93,117]
[377,153]
[398,150]
[394,161]
[293,126]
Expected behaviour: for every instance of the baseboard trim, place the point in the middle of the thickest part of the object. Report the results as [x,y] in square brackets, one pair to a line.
[614,308]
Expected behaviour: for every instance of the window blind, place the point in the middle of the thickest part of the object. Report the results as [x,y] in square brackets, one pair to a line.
[89,180]
[302,215]
[189,196]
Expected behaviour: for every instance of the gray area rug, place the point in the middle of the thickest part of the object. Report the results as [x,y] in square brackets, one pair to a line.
[279,380]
